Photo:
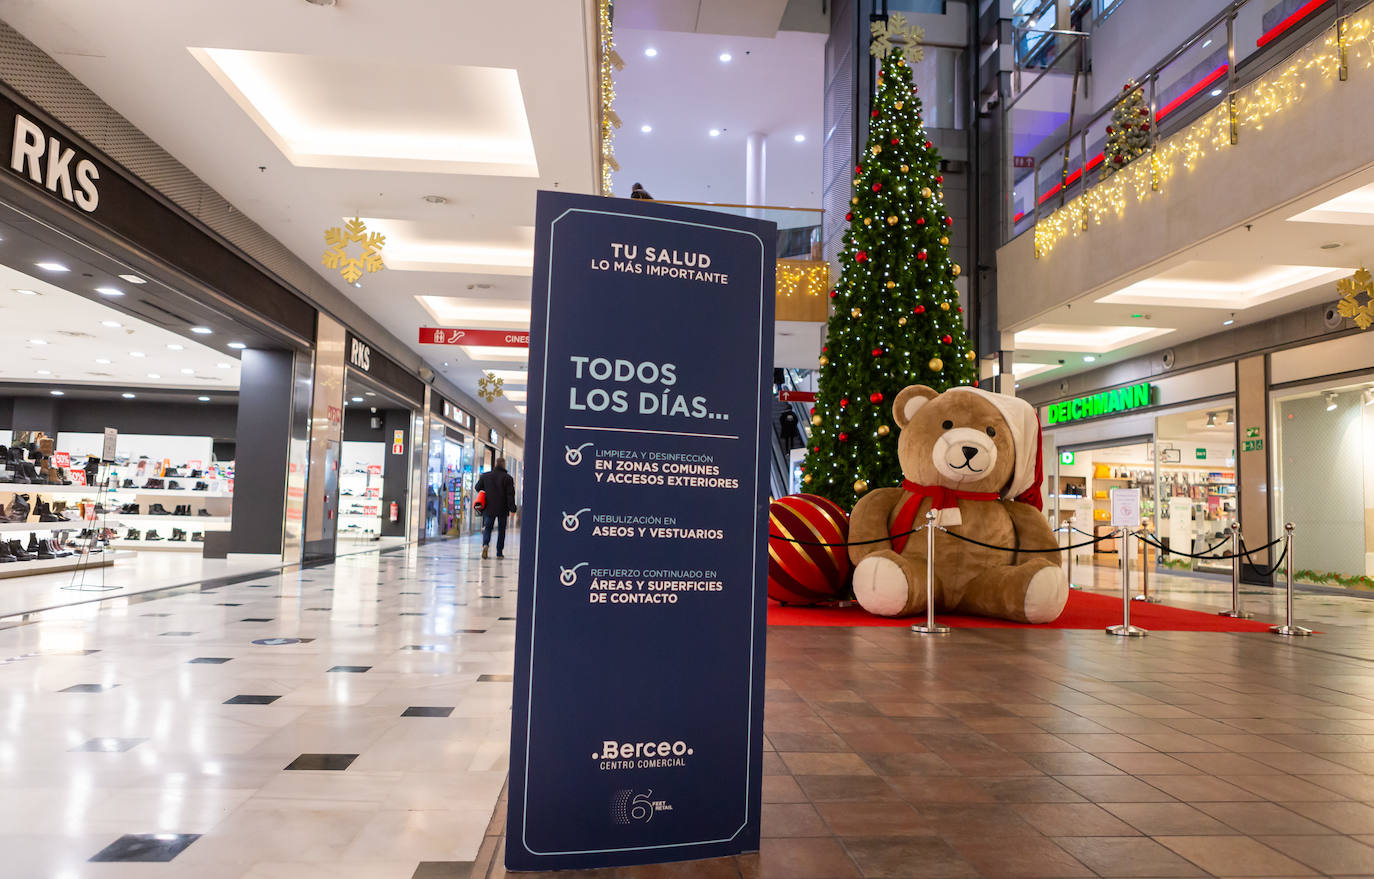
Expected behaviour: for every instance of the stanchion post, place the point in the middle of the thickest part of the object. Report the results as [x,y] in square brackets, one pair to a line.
[1235,610]
[1145,595]
[931,627]
[1068,531]
[1126,630]
[1288,628]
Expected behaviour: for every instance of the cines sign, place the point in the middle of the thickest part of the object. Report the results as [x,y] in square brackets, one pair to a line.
[1105,403]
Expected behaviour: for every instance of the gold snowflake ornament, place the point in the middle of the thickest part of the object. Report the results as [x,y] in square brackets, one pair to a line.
[369,258]
[489,387]
[897,33]
[1351,289]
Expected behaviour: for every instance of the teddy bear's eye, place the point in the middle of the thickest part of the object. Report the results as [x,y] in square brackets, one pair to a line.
[947,425]
[992,432]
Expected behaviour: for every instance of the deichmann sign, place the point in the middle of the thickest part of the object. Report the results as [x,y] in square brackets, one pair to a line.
[638,702]
[485,338]
[1105,403]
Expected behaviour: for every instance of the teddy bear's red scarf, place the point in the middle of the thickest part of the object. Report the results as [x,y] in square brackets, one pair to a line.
[941,498]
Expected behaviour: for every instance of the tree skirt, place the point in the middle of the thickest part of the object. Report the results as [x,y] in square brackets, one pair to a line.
[1085,610]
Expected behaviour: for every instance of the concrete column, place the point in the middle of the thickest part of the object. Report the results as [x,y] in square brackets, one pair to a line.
[263,440]
[755,167]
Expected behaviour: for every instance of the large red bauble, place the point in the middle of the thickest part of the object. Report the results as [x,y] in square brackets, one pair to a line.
[920,254]
[843,437]
[877,352]
[895,141]
[877,187]
[861,256]
[875,397]
[844,401]
[849,217]
[858,169]
[946,338]
[920,221]
[929,144]
[939,178]
[920,309]
[801,574]
[874,114]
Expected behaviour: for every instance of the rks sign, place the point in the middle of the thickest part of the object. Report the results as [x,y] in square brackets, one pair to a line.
[359,355]
[53,165]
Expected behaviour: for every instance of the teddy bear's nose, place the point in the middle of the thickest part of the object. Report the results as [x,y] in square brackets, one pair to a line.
[970,452]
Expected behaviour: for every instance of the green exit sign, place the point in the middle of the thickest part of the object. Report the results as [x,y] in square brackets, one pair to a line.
[1201,454]
[1066,458]
[1252,445]
[1252,432]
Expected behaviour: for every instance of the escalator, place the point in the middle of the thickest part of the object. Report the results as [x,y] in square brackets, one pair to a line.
[791,424]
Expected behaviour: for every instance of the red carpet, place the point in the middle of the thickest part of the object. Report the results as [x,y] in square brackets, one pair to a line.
[1085,610]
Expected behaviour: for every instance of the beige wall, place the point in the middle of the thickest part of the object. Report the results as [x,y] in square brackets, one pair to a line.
[326,419]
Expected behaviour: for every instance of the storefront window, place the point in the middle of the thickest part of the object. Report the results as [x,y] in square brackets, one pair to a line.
[1197,483]
[1324,481]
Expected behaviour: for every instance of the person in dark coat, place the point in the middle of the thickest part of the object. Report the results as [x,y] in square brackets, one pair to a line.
[500,503]
[638,191]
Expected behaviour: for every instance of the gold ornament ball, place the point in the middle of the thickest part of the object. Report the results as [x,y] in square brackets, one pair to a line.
[901,321]
[936,364]
[807,478]
[824,360]
[854,200]
[944,240]
[897,104]
[867,220]
[891,284]
[969,355]
[884,430]
[892,221]
[925,192]
[944,306]
[855,312]
[957,270]
[860,486]
[856,181]
[816,420]
[877,148]
[906,168]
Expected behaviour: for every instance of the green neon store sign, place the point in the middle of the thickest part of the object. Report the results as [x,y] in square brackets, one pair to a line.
[1105,403]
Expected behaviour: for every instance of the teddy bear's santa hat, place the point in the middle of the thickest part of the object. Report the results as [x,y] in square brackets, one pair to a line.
[1021,417]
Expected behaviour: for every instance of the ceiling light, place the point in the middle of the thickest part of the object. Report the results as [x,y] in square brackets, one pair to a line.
[128,396]
[725,57]
[1211,419]
[322,2]
[203,399]
[27,292]
[237,346]
[1216,93]
[436,199]
[224,365]
[188,371]
[370,393]
[175,347]
[133,279]
[650,52]
[1084,339]
[111,323]
[135,353]
[102,360]
[1330,245]
[37,342]
[1330,401]
[1230,320]
[799,138]
[154,375]
[714,132]
[1088,358]
[109,291]
[57,393]
[356,399]
[52,267]
[646,128]
[43,371]
[1208,43]
[202,331]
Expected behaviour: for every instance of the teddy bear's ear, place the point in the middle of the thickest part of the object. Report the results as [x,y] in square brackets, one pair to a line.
[911,398]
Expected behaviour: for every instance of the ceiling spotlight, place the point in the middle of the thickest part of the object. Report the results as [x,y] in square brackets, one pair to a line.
[224,365]
[203,399]
[1208,43]
[1211,419]
[111,323]
[436,199]
[52,267]
[1230,320]
[175,347]
[650,52]
[1216,93]
[725,57]
[237,346]
[322,2]
[356,399]
[799,138]
[43,371]
[27,292]
[133,279]
[646,128]
[202,331]
[154,375]
[37,342]
[109,291]
[128,396]
[102,360]
[1330,401]
[370,393]
[1088,358]
[188,371]
[714,132]
[135,353]
[57,393]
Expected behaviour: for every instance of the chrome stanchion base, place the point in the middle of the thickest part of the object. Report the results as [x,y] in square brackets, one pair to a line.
[1075,587]
[1236,614]
[936,629]
[1292,631]
[1127,631]
[1148,599]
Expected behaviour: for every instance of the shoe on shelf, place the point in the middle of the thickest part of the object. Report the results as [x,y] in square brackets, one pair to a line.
[39,548]
[173,485]
[44,511]
[152,535]
[132,535]
[201,486]
[198,537]
[178,534]
[54,548]
[17,550]
[19,507]
[158,510]
[201,512]
[195,474]
[128,483]
[6,557]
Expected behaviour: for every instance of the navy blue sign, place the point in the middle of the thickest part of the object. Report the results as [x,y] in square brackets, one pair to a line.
[638,711]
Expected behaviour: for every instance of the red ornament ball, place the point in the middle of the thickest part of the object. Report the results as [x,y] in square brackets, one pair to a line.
[877,352]
[1110,130]
[799,573]
[861,256]
[946,338]
[858,169]
[920,221]
[843,437]
[875,397]
[920,309]
[949,221]
[844,401]
[815,448]
[895,141]
[825,349]
[921,255]
[849,217]
[939,178]
[834,293]
[961,309]
[877,187]
[874,114]
[1116,159]
[929,144]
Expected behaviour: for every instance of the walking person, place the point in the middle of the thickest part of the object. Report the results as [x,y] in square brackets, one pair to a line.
[500,503]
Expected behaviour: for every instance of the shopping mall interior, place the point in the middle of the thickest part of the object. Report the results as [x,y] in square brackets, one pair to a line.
[286,326]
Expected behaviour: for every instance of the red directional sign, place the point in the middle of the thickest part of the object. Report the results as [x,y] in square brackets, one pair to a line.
[797,396]
[489,338]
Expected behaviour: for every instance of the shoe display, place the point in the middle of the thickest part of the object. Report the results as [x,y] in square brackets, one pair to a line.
[201,486]
[17,550]
[128,483]
[44,511]
[178,534]
[173,485]
[198,537]
[158,510]
[152,534]
[201,512]
[132,535]
[5,555]
[154,483]
[129,510]
[19,508]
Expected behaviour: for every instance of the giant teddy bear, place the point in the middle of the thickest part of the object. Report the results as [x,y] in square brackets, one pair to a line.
[974,457]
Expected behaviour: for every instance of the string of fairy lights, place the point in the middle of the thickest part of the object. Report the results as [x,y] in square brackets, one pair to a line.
[610,121]
[1318,63]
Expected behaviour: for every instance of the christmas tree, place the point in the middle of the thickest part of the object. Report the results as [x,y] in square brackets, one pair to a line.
[896,318]
[1129,134]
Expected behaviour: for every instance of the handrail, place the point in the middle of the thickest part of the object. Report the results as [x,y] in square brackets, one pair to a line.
[753,207]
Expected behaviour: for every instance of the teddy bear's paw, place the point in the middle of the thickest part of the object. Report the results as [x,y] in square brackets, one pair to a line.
[1046,594]
[881,588]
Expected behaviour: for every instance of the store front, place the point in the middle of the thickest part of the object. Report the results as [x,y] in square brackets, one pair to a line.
[450,474]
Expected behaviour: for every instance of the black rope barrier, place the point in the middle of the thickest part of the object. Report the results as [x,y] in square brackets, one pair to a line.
[1143,535]
[1024,549]
[773,536]
[1260,569]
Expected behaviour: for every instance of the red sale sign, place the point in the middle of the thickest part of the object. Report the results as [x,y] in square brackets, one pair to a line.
[61,459]
[78,477]
[485,338]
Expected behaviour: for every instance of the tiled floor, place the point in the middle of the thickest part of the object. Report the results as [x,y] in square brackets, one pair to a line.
[345,721]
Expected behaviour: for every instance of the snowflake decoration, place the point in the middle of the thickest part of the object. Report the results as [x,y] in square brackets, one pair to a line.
[489,387]
[897,34]
[369,258]
[1351,288]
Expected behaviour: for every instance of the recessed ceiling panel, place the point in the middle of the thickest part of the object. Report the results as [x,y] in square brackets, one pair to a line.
[1226,285]
[460,311]
[347,111]
[434,247]
[1086,339]
[1355,208]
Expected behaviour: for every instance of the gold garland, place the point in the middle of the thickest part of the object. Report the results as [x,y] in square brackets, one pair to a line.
[608,58]
[1263,100]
